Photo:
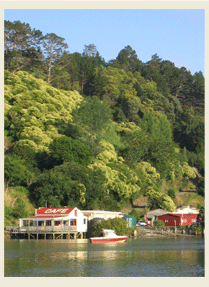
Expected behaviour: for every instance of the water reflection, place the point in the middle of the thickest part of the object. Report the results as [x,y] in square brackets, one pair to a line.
[60,256]
[137,258]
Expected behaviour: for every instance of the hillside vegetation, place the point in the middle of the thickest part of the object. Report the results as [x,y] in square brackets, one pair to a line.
[96,135]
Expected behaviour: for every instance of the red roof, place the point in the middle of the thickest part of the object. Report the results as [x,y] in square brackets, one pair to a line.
[46,211]
[45,217]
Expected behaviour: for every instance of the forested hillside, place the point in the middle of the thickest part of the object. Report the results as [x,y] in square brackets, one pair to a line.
[83,132]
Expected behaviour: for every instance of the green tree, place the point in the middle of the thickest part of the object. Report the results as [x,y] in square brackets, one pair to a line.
[128,60]
[90,50]
[159,200]
[171,193]
[201,186]
[19,209]
[35,112]
[16,171]
[65,149]
[54,47]
[136,142]
[65,185]
[120,181]
[61,77]
[114,84]
[91,119]
[198,90]
[22,47]
[161,148]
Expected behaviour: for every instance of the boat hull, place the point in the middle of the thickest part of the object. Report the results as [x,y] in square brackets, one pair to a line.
[107,240]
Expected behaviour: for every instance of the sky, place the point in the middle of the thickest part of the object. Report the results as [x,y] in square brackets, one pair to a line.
[177,35]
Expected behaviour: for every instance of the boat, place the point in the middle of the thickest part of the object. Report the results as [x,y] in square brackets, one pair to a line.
[109,236]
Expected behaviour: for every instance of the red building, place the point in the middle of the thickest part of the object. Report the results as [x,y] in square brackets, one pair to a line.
[176,219]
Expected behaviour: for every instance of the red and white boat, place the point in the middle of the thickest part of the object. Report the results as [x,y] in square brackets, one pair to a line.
[109,236]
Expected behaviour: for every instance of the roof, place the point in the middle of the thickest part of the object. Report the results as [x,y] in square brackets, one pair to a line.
[171,214]
[191,215]
[44,217]
[101,211]
[156,212]
[129,216]
[46,211]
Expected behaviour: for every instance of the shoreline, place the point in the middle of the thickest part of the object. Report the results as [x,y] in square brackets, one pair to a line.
[141,234]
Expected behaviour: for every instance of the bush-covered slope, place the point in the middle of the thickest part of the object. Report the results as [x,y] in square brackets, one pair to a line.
[62,158]
[82,132]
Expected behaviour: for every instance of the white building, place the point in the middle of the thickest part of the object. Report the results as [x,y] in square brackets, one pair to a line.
[91,214]
[55,219]
[186,210]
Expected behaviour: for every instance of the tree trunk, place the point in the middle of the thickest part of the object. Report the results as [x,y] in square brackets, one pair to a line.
[49,67]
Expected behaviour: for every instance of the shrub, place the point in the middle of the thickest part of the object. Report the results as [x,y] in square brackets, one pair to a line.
[130,231]
[171,193]
[198,228]
[117,224]
[159,223]
[183,227]
[136,214]
[19,209]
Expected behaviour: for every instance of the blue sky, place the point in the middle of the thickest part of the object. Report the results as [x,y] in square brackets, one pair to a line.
[176,35]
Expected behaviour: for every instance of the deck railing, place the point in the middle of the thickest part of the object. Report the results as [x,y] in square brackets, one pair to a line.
[47,228]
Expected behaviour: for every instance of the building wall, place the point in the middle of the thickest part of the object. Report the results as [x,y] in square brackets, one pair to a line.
[181,219]
[187,210]
[81,225]
[170,219]
[101,214]
[188,219]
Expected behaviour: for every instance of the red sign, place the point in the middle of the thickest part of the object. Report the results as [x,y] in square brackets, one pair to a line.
[54,210]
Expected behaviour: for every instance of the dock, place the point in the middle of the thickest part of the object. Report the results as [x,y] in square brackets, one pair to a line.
[45,232]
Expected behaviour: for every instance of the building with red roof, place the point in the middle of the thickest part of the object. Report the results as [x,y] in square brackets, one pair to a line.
[55,219]
[177,219]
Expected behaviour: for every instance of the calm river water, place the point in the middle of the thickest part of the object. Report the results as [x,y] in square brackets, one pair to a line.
[141,257]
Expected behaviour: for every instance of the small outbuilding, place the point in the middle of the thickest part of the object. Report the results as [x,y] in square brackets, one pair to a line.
[131,220]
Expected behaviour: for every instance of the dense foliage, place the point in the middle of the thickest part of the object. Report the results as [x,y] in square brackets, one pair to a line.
[117,224]
[86,133]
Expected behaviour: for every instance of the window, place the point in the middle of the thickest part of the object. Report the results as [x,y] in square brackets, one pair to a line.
[193,220]
[167,220]
[40,223]
[84,221]
[76,212]
[73,222]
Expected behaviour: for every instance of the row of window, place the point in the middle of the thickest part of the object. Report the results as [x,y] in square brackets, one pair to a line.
[73,222]
[182,221]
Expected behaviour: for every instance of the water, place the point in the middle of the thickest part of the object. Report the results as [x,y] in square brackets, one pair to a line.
[147,257]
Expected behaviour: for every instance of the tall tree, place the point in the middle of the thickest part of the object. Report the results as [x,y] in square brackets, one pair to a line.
[90,50]
[22,47]
[128,60]
[198,90]
[91,118]
[54,48]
